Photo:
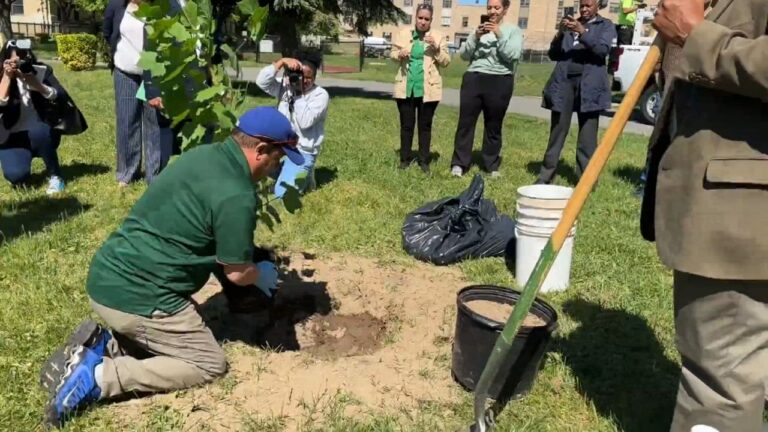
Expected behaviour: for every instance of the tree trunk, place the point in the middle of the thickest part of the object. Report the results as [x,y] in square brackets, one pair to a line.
[289,34]
[5,21]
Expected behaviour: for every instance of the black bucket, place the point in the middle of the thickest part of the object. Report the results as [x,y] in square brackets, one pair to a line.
[476,335]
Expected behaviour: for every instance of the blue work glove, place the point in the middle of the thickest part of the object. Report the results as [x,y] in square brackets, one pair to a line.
[267,280]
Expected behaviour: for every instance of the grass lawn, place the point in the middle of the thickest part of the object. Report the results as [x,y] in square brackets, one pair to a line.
[611,367]
[529,81]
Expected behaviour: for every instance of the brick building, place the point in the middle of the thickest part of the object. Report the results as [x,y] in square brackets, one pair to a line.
[457,19]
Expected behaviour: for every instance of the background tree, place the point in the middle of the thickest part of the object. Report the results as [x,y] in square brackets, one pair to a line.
[287,18]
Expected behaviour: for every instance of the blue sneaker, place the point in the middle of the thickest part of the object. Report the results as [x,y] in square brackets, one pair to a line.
[55,185]
[88,334]
[77,390]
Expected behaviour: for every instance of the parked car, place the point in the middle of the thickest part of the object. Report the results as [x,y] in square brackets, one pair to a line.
[625,61]
[376,47]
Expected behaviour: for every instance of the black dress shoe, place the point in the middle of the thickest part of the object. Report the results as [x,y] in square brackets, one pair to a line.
[424,168]
[404,165]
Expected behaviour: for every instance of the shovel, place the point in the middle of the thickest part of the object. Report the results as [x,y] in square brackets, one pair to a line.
[484,414]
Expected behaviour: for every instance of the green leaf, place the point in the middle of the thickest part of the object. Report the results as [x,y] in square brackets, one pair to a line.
[273,212]
[267,220]
[257,23]
[210,93]
[149,11]
[247,7]
[148,60]
[291,199]
[178,32]
[301,180]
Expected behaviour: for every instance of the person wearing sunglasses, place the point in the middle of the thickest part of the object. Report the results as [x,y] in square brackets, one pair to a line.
[198,216]
[35,111]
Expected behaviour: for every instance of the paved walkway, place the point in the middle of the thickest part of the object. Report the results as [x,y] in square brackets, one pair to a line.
[529,106]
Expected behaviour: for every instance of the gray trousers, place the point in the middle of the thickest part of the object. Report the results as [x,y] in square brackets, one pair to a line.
[137,128]
[722,335]
[158,354]
[560,124]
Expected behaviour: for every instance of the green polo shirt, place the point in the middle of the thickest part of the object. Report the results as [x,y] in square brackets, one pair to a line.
[415,83]
[201,210]
[627,19]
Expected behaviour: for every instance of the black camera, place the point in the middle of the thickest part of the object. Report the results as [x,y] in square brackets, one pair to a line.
[26,66]
[295,80]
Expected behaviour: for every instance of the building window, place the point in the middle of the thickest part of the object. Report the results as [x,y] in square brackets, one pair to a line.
[465,22]
[447,4]
[387,36]
[522,22]
[408,19]
[17,7]
[407,2]
[614,8]
[525,3]
[446,21]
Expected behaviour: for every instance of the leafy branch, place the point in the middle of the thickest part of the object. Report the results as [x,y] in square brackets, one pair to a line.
[182,55]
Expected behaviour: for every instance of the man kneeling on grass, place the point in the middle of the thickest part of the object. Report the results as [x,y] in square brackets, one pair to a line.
[200,213]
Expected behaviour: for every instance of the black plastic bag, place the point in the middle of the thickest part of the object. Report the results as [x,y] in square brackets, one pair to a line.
[459,228]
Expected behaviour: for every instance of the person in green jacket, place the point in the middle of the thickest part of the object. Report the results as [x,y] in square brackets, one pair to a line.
[493,52]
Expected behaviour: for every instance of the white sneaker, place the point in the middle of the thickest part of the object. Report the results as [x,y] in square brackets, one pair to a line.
[495,174]
[456,171]
[55,185]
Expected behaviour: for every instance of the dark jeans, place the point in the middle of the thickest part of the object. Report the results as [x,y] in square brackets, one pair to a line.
[426,111]
[558,132]
[17,152]
[489,94]
[624,35]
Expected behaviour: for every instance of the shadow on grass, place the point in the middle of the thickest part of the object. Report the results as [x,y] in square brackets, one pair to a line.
[620,366]
[564,170]
[629,174]
[357,92]
[32,216]
[71,172]
[434,157]
[324,176]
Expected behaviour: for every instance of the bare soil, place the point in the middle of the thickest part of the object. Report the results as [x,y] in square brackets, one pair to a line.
[346,328]
[500,312]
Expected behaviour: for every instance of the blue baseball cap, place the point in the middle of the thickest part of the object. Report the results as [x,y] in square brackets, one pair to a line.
[267,123]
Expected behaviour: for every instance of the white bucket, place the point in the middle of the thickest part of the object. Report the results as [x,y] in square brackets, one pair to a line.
[529,244]
[544,196]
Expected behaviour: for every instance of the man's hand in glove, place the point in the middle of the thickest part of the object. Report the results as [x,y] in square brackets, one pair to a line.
[267,278]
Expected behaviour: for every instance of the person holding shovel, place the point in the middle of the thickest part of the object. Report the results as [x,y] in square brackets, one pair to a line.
[705,205]
[421,52]
[198,214]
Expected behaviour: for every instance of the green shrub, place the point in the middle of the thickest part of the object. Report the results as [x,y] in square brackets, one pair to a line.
[78,51]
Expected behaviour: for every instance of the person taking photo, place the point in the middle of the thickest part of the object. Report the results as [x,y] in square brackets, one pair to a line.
[421,52]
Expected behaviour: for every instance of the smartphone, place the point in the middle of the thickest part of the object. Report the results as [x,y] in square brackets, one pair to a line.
[569,11]
[484,18]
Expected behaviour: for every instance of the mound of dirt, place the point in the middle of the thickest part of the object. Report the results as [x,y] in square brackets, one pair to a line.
[375,333]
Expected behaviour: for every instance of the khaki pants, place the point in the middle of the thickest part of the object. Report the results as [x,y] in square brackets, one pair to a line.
[157,354]
[722,336]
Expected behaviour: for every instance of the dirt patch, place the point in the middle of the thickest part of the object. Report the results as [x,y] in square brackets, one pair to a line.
[366,334]
[500,312]
[337,336]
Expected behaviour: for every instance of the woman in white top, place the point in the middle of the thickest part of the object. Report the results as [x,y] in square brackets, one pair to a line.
[35,111]
[139,123]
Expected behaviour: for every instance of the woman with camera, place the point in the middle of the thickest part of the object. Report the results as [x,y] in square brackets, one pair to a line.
[579,83]
[493,52]
[305,104]
[421,53]
[35,111]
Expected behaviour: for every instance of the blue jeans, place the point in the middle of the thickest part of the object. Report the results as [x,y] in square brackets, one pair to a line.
[17,152]
[290,171]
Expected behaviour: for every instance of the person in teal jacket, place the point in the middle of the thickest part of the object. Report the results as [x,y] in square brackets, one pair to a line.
[493,52]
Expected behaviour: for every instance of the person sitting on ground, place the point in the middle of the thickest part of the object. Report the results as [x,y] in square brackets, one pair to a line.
[35,111]
[200,213]
[305,104]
